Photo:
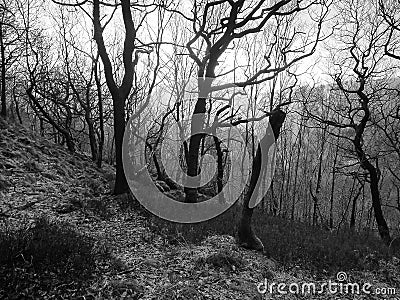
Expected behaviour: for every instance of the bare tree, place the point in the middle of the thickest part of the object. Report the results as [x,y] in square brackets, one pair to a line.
[48,87]
[10,46]
[218,24]
[119,93]
[390,11]
[361,41]
[246,235]
[120,90]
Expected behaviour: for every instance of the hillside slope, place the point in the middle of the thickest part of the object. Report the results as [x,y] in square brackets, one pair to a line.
[63,235]
[44,187]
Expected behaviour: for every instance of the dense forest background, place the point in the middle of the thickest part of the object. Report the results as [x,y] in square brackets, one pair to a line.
[111,79]
[70,69]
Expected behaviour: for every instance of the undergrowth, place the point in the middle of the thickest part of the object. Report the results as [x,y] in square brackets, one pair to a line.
[291,243]
[42,255]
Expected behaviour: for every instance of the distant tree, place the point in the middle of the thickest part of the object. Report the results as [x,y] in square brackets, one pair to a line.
[80,68]
[390,122]
[359,60]
[50,93]
[390,11]
[10,47]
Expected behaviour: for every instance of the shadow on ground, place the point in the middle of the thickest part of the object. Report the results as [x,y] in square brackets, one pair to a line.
[45,259]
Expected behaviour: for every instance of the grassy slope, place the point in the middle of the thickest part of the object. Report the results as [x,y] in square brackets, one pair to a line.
[63,235]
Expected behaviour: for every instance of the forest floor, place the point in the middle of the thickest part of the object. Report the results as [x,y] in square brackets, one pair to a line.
[64,236]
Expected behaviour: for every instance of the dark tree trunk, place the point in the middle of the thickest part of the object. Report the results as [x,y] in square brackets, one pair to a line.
[101,115]
[354,208]
[274,202]
[316,197]
[3,74]
[70,142]
[66,134]
[197,124]
[246,235]
[192,160]
[373,171]
[89,121]
[365,163]
[120,93]
[17,110]
[92,139]
[331,200]
[160,174]
[121,184]
[220,168]
[383,228]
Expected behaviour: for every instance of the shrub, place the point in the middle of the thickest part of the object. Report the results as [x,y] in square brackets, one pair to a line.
[314,248]
[43,255]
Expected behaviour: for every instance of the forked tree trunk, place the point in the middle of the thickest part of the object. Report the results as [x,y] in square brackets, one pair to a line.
[246,235]
[119,93]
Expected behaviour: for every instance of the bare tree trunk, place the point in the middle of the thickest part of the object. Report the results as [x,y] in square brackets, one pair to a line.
[101,114]
[284,154]
[376,202]
[3,74]
[316,197]
[273,203]
[374,172]
[121,185]
[17,110]
[119,93]
[220,167]
[360,223]
[296,169]
[197,124]
[192,160]
[63,131]
[246,235]
[333,184]
[354,207]
[288,182]
[92,137]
